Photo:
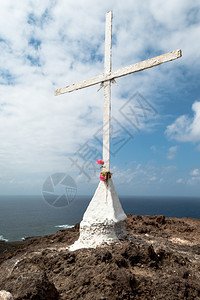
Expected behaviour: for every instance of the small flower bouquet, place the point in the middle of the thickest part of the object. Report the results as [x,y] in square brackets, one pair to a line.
[104,175]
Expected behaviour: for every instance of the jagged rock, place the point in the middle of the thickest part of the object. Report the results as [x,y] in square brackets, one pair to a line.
[159,259]
[28,281]
[5,295]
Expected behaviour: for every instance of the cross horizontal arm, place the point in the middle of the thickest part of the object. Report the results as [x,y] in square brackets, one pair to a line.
[146,64]
[80,85]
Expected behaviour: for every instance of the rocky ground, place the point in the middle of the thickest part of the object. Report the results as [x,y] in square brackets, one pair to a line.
[160,259]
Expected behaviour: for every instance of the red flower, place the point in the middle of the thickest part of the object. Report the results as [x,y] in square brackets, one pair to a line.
[100,162]
[102,177]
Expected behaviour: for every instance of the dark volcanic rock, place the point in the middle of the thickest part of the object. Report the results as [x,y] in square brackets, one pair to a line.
[160,259]
[30,283]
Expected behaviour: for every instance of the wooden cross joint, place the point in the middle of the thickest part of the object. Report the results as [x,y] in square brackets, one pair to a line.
[105,79]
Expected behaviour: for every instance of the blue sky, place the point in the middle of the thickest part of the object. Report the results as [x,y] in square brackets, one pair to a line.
[46,45]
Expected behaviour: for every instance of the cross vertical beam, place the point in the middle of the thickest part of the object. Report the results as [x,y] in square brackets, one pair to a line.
[104,218]
[107,92]
[105,79]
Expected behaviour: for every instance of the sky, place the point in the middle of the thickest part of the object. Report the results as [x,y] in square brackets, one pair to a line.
[45,45]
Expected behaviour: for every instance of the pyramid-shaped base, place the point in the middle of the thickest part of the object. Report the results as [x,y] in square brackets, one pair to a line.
[103,221]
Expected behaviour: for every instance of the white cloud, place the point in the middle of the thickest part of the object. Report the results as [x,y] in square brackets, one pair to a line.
[143,174]
[192,178]
[178,20]
[153,178]
[138,166]
[172,152]
[48,44]
[194,181]
[186,129]
[195,172]
[180,180]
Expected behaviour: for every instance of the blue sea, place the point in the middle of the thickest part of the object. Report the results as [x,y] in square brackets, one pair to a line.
[25,216]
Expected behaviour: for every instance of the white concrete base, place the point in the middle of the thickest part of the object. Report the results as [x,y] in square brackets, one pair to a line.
[103,221]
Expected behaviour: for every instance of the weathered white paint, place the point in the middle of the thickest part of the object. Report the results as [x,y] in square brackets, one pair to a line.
[108,44]
[146,64]
[106,124]
[103,219]
[107,92]
[5,295]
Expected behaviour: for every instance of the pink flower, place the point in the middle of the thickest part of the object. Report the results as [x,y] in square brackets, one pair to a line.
[100,162]
[102,177]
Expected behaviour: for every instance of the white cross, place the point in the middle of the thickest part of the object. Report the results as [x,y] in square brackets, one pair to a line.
[108,76]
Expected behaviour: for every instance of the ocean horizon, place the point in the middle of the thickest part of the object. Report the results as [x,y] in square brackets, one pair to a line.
[26,216]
